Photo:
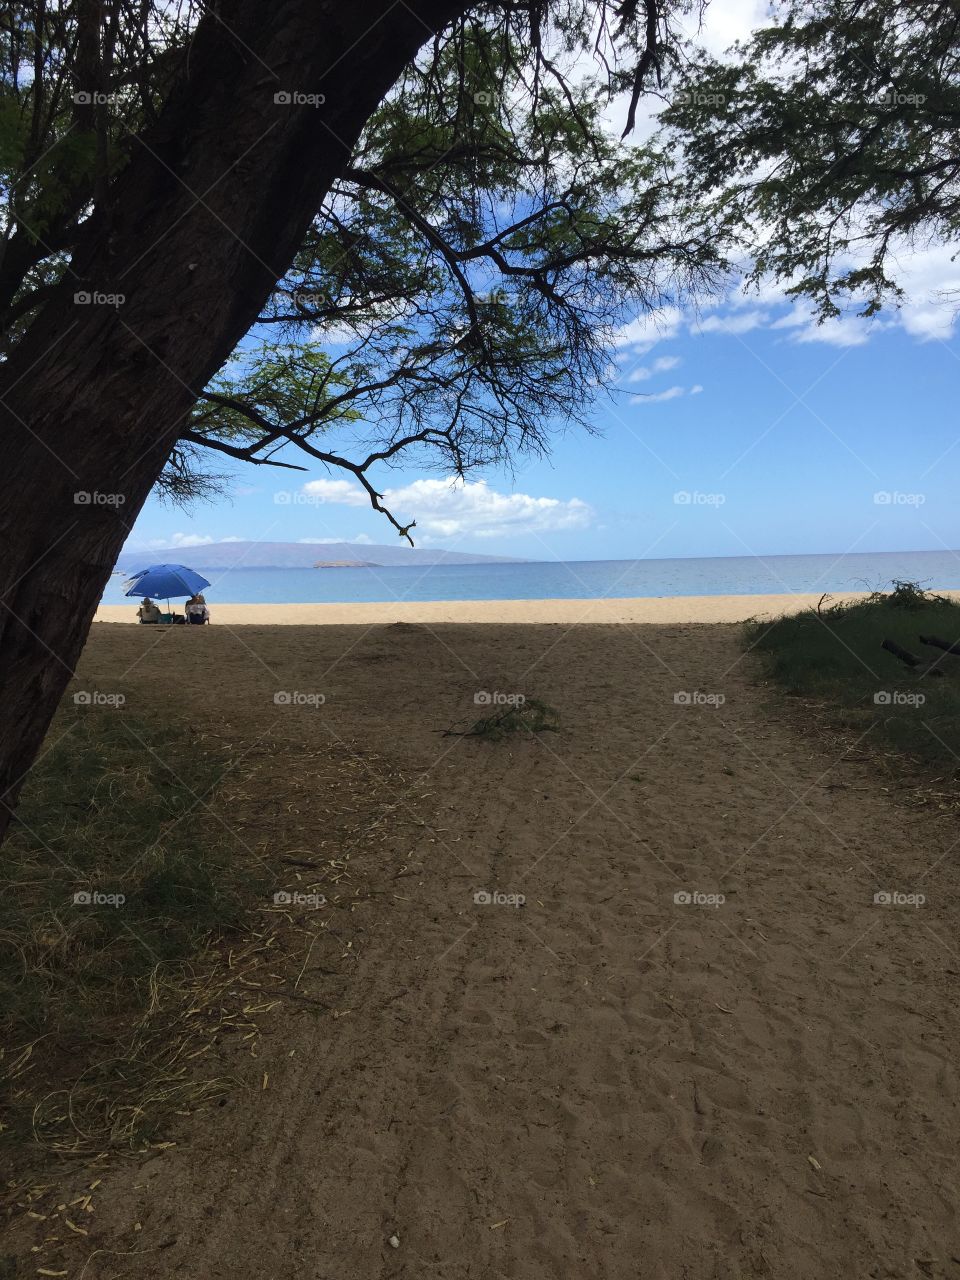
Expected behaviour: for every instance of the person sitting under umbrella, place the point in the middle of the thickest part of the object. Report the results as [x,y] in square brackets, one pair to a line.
[165,581]
[148,611]
[196,610]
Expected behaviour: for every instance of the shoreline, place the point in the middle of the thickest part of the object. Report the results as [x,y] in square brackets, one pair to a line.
[644,609]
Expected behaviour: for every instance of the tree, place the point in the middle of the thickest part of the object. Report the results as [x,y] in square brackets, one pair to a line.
[459,289]
[163,171]
[829,143]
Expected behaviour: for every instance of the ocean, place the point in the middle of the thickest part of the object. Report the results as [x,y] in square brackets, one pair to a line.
[573,580]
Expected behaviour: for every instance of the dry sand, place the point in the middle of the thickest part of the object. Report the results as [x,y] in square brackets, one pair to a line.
[668,609]
[607,1083]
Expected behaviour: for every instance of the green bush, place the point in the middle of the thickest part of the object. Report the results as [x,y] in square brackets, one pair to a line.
[115,807]
[835,655]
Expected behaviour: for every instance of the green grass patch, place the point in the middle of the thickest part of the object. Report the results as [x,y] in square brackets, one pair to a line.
[115,881]
[835,655]
[527,716]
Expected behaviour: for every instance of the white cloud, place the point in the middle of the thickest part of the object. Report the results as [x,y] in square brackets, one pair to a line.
[649,328]
[724,24]
[340,491]
[671,393]
[661,365]
[189,540]
[741,322]
[450,509]
[931,280]
[181,540]
[845,331]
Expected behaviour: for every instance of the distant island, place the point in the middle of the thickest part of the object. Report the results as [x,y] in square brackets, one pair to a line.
[300,555]
[345,564]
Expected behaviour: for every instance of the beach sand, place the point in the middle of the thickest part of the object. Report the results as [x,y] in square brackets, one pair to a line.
[612,1081]
[662,609]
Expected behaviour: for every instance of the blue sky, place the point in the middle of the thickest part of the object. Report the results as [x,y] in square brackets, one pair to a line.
[744,430]
[782,436]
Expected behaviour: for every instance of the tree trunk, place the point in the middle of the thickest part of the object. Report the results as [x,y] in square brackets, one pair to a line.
[199,225]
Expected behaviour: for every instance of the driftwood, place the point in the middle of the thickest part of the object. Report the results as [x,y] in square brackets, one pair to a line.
[945,645]
[911,660]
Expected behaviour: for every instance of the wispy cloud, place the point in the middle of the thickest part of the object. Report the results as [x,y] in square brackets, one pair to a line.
[644,372]
[449,509]
[671,393]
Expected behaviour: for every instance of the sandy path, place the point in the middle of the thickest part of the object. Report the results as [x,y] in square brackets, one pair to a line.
[604,1084]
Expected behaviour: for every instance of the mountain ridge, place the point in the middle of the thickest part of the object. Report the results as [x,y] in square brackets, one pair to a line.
[300,555]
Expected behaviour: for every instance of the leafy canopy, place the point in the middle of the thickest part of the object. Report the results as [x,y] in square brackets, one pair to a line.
[457,295]
[828,144]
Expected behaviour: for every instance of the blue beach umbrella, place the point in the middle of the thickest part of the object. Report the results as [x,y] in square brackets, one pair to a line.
[165,582]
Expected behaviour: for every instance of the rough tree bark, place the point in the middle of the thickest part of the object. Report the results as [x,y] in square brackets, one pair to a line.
[198,227]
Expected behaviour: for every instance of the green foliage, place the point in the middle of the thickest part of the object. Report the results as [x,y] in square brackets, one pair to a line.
[467,274]
[828,144]
[273,382]
[834,656]
[117,806]
[460,289]
[529,716]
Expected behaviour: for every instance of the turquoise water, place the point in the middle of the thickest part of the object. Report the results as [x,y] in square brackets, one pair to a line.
[580,580]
